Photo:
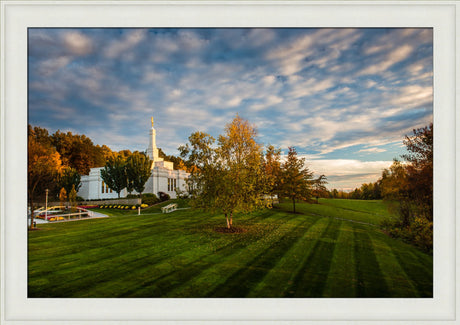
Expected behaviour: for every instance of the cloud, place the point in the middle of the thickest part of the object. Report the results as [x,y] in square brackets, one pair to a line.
[395,56]
[50,66]
[372,150]
[77,43]
[130,40]
[347,173]
[414,95]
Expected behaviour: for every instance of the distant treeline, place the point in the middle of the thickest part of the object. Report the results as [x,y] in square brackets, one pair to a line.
[370,191]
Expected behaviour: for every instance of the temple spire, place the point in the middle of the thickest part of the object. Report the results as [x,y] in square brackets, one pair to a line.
[152,150]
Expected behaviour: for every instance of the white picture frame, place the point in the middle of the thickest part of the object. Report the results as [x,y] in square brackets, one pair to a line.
[17,16]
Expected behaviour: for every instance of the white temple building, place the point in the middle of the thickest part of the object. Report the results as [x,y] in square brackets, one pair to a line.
[163,178]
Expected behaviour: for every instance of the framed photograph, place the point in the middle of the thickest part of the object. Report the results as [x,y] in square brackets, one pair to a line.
[339,89]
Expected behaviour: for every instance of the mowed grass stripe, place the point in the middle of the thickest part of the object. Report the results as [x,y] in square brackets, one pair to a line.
[418,266]
[337,212]
[112,262]
[342,279]
[376,207]
[393,272]
[278,280]
[97,229]
[311,278]
[247,277]
[219,270]
[370,280]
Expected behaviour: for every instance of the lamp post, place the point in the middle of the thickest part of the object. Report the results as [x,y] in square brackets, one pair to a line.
[46,205]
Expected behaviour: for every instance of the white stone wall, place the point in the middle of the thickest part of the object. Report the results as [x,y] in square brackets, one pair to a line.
[91,188]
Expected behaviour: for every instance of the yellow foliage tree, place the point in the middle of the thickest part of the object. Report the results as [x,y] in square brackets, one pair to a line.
[44,166]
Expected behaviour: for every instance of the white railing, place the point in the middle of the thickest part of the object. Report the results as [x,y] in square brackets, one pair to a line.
[52,215]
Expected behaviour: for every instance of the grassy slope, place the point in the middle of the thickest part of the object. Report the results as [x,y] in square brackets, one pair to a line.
[314,254]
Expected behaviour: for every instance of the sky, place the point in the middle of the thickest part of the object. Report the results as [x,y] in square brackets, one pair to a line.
[344,98]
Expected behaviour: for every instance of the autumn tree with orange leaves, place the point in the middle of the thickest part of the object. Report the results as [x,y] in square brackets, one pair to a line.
[43,169]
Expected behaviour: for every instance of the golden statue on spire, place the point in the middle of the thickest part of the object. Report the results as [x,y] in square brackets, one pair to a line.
[152,121]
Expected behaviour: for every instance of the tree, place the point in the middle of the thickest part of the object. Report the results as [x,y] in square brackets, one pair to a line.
[409,187]
[68,178]
[62,196]
[228,177]
[319,188]
[43,168]
[272,170]
[200,158]
[239,164]
[73,198]
[420,170]
[296,178]
[114,174]
[138,171]
[395,188]
[335,193]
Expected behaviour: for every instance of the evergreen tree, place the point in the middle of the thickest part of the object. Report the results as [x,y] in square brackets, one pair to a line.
[296,178]
[319,188]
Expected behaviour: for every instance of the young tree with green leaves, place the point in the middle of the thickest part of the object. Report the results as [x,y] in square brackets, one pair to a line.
[240,164]
[296,178]
[228,177]
[199,156]
[138,171]
[114,174]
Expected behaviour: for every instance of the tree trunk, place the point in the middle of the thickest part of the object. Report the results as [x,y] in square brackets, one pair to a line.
[231,219]
[31,214]
[293,204]
[228,223]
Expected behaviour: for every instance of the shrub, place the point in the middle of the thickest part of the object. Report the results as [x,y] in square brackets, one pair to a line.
[164,196]
[149,199]
[132,196]
[419,232]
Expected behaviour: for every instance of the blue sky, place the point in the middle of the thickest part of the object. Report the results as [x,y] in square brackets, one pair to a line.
[344,98]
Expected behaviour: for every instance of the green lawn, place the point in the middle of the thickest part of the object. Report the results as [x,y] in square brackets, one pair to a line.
[331,249]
